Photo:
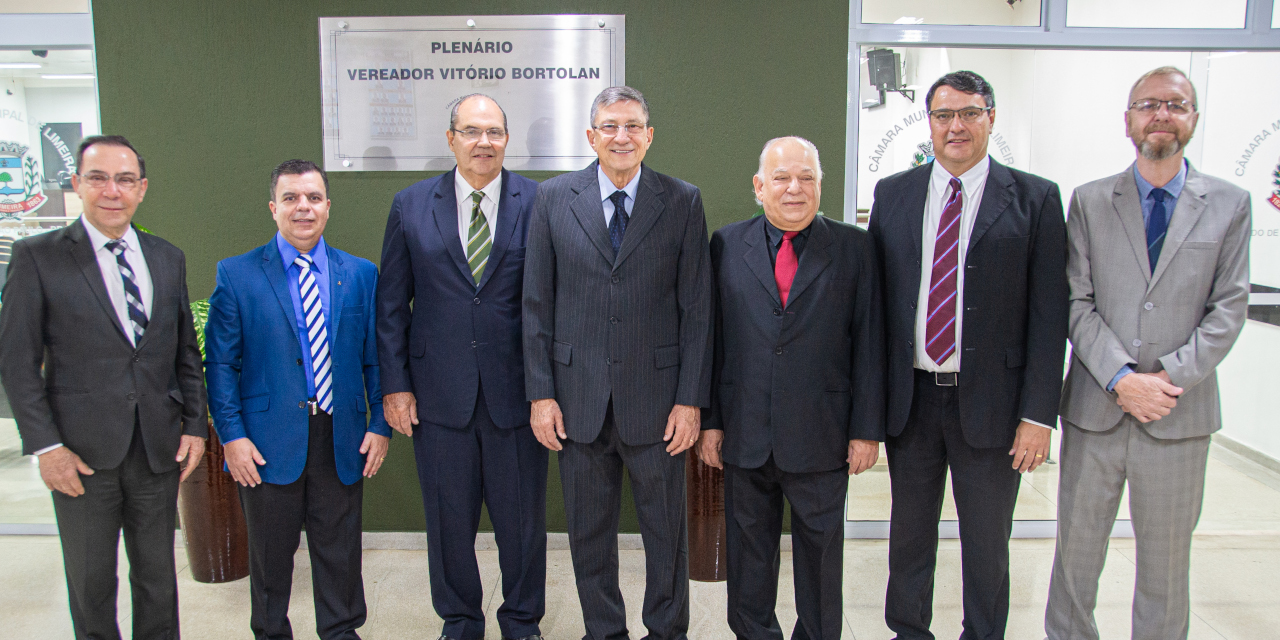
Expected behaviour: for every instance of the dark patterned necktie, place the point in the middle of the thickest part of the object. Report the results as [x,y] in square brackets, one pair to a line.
[940,328]
[618,223]
[1157,225]
[132,296]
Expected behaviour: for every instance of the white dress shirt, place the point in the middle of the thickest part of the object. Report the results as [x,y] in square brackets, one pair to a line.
[111,273]
[488,205]
[972,184]
[115,284]
[607,188]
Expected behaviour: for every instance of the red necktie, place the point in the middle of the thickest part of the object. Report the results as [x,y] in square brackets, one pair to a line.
[940,329]
[784,267]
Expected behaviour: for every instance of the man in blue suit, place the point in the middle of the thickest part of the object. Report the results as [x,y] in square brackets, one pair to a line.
[453,366]
[292,370]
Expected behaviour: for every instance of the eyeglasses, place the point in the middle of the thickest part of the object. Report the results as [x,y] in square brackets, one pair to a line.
[472,133]
[610,129]
[98,180]
[1151,105]
[967,114]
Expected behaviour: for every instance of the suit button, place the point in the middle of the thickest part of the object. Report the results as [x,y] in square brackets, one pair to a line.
[131,397]
[302,405]
[1148,306]
[476,301]
[613,320]
[473,344]
[778,351]
[1137,342]
[608,361]
[913,304]
[615,279]
[137,358]
[777,311]
[299,362]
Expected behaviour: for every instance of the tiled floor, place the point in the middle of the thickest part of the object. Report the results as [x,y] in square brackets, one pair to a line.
[1235,582]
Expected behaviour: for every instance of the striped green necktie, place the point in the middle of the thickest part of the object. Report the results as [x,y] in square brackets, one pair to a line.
[479,240]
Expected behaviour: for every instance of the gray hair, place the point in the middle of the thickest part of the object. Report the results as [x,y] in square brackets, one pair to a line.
[618,94]
[453,113]
[1163,71]
[808,146]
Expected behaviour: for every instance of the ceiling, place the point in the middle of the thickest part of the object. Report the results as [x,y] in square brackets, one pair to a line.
[56,62]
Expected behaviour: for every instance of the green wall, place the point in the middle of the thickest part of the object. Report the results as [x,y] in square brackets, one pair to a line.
[215,94]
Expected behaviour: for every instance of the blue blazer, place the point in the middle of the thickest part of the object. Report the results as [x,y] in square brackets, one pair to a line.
[460,335]
[253,362]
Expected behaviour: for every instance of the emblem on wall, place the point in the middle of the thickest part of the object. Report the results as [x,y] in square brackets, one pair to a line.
[20,190]
[1275,182]
[923,154]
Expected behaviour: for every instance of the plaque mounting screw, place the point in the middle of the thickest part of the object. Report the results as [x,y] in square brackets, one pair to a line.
[346,163]
[600,22]
[342,24]
[471,23]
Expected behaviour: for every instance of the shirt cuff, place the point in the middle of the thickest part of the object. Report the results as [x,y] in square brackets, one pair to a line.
[47,449]
[1038,424]
[1124,371]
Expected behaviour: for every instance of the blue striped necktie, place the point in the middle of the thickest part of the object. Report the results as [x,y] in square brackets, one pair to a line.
[317,336]
[132,296]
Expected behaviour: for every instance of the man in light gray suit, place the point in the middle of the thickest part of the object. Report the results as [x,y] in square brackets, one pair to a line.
[617,352]
[1158,262]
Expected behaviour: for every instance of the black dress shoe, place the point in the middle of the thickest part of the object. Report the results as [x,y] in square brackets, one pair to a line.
[444,637]
[525,638]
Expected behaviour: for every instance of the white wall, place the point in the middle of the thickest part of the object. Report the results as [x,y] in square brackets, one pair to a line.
[1250,406]
[986,12]
[1153,14]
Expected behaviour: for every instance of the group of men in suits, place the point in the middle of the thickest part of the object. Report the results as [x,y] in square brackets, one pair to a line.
[590,316]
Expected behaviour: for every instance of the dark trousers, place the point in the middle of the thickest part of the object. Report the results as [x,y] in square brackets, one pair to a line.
[507,470]
[753,513]
[985,486]
[591,473]
[275,515]
[145,506]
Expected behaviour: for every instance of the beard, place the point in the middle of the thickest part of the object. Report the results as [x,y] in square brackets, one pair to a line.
[1159,149]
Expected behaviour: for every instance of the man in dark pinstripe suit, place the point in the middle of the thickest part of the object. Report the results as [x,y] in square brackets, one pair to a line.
[617,350]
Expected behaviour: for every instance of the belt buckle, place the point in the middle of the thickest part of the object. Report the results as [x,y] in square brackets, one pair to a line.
[312,406]
[950,379]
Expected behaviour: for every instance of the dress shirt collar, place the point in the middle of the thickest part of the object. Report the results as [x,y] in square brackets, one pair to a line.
[1174,187]
[492,191]
[289,253]
[775,234]
[607,188]
[100,240]
[970,180]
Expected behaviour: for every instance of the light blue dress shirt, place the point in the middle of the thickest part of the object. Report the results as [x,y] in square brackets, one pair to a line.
[1172,190]
[607,188]
[320,267]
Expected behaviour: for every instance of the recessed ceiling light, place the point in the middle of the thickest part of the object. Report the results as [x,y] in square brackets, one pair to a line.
[20,65]
[67,76]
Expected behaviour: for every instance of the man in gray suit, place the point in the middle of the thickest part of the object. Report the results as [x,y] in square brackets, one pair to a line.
[617,352]
[1158,264]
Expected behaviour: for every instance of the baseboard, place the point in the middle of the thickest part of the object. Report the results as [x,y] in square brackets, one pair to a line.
[1247,452]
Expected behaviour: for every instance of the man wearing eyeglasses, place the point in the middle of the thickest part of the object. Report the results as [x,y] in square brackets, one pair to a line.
[617,343]
[973,256]
[453,372]
[1158,262]
[99,358]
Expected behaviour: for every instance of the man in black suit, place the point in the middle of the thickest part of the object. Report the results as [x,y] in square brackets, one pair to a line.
[99,358]
[456,242]
[617,350]
[973,256]
[798,391]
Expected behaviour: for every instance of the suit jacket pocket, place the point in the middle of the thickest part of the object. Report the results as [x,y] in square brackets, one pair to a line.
[176,394]
[1015,357]
[360,406]
[562,352]
[668,356]
[353,310]
[254,404]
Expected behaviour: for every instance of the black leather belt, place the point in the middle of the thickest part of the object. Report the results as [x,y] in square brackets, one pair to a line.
[941,379]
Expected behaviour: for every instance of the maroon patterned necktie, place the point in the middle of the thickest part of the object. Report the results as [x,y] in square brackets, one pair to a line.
[940,329]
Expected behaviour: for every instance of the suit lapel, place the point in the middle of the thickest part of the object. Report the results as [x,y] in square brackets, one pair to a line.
[1186,213]
[273,269]
[159,282]
[1128,207]
[757,257]
[444,209]
[648,208]
[82,251]
[813,261]
[912,206]
[589,209]
[337,290]
[996,196]
[508,212]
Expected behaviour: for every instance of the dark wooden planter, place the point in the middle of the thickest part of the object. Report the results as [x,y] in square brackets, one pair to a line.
[212,520]
[707,551]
